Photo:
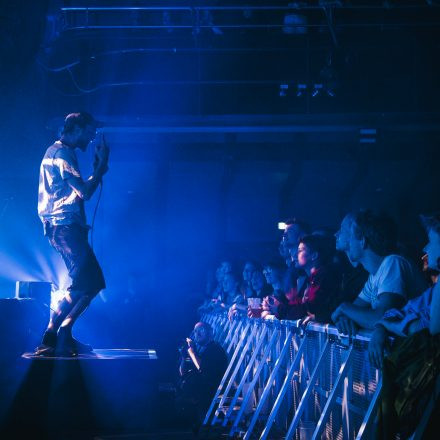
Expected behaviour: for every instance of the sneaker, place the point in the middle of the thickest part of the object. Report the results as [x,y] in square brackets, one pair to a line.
[67,343]
[44,350]
[65,351]
[80,347]
[47,346]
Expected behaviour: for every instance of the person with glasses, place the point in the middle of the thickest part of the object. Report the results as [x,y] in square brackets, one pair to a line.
[61,195]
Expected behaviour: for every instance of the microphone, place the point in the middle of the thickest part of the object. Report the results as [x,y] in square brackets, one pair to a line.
[97,148]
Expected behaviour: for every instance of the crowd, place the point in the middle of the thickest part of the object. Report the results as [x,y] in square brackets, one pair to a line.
[354,279]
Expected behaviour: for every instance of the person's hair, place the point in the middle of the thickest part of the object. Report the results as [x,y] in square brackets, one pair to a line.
[80,119]
[378,229]
[431,222]
[207,328]
[233,275]
[303,226]
[275,264]
[321,244]
[254,263]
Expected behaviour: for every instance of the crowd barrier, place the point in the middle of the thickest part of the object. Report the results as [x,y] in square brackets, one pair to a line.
[289,381]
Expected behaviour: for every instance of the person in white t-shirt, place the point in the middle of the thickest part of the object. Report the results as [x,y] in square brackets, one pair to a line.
[371,241]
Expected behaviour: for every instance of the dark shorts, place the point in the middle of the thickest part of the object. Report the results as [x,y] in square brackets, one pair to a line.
[71,242]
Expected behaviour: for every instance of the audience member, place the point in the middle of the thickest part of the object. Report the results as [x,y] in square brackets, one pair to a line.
[215,296]
[274,273]
[316,292]
[214,290]
[294,230]
[413,363]
[217,293]
[224,268]
[354,276]
[256,288]
[232,293]
[371,240]
[259,285]
[261,289]
[248,270]
[366,284]
[202,366]
[431,274]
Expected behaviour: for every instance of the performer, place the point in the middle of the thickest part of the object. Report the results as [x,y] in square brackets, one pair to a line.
[61,196]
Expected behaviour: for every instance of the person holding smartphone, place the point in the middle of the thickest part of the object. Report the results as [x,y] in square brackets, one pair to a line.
[203,363]
[61,196]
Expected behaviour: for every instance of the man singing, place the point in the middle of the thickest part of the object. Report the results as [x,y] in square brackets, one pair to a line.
[61,196]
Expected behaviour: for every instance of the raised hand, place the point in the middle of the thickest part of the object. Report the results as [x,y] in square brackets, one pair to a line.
[102,153]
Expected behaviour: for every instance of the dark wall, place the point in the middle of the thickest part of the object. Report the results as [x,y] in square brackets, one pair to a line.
[206,155]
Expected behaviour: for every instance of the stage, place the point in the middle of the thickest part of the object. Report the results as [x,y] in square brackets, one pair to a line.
[108,391]
[100,354]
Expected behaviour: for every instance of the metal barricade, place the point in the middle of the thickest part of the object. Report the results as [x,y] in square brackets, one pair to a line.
[286,381]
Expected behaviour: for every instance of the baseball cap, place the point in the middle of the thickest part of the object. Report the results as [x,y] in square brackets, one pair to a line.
[80,119]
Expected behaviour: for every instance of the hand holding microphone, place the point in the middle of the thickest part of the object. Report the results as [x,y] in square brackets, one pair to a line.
[102,152]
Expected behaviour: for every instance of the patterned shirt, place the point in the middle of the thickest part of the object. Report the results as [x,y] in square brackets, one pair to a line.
[58,203]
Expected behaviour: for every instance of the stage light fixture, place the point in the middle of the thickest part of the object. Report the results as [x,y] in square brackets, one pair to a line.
[294,24]
[301,90]
[317,89]
[283,90]
[39,290]
[367,135]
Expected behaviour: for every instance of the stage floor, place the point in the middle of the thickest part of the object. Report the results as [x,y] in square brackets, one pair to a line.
[101,354]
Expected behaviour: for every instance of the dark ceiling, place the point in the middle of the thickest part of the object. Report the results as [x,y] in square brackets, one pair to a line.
[217,57]
[344,78]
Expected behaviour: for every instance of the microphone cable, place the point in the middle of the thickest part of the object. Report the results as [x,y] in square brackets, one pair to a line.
[94,213]
[97,202]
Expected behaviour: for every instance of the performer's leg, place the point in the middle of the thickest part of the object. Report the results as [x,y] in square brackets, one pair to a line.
[63,309]
[79,307]
[66,340]
[89,277]
[87,280]
[65,306]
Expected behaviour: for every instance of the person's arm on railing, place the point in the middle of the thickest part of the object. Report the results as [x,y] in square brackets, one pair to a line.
[379,337]
[346,326]
[366,317]
[343,323]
